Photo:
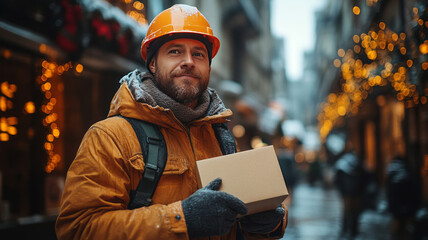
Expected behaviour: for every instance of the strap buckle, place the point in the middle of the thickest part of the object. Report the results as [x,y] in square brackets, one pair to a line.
[155,141]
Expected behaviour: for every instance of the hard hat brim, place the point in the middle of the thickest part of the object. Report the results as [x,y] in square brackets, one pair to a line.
[214,41]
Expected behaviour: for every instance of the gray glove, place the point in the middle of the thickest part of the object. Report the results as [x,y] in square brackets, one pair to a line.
[209,212]
[263,222]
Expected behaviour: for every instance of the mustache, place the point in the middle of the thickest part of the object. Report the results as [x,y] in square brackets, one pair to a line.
[186,72]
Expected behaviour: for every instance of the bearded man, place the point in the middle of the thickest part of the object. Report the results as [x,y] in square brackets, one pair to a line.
[109,165]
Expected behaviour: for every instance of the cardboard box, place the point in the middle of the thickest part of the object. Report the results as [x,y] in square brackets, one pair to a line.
[254,176]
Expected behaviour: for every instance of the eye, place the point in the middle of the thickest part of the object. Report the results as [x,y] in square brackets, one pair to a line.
[174,51]
[199,54]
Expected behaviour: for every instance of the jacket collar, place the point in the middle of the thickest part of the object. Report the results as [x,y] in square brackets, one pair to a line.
[124,104]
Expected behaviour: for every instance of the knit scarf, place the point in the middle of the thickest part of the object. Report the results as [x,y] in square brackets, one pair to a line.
[144,90]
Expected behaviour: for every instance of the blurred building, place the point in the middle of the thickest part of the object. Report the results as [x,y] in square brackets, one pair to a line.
[60,63]
[249,71]
[371,63]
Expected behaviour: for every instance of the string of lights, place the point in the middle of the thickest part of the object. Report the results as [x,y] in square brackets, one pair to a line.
[379,58]
[50,121]
[7,124]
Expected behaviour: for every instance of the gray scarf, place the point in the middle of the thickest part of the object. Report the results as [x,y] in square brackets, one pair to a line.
[144,90]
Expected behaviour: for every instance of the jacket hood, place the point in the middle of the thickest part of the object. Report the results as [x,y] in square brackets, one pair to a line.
[134,100]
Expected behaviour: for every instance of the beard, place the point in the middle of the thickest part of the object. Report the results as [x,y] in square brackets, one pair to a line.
[183,91]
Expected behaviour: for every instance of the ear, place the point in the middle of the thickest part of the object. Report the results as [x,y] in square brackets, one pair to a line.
[152,65]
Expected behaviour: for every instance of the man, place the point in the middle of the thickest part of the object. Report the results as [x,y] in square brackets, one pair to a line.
[174,95]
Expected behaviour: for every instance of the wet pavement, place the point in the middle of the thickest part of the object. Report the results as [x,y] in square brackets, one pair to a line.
[315,214]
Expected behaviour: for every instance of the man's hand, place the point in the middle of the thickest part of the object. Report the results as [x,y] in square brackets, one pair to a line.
[209,212]
[263,222]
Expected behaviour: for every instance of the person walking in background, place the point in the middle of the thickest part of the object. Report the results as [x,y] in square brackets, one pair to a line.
[350,180]
[174,96]
[403,197]
[288,168]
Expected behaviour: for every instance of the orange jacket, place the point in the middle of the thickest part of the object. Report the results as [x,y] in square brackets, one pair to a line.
[109,164]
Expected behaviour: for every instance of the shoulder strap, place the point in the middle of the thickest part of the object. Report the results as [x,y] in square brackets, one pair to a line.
[225,138]
[154,152]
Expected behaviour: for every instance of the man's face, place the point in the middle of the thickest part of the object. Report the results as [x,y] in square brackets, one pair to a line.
[182,70]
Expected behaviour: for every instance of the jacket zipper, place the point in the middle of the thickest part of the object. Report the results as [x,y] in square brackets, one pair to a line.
[187,131]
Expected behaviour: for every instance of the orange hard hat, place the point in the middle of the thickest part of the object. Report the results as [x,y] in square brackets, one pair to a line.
[179,19]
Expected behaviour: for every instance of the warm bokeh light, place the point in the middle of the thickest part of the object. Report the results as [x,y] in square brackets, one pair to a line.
[8,89]
[50,137]
[79,68]
[238,131]
[3,124]
[357,49]
[371,3]
[257,142]
[46,87]
[138,5]
[356,38]
[43,48]
[341,52]
[4,137]
[415,10]
[137,16]
[337,63]
[423,48]
[12,120]
[356,10]
[7,54]
[12,130]
[29,107]
[341,110]
[394,37]
[372,55]
[7,125]
[55,132]
[48,146]
[3,104]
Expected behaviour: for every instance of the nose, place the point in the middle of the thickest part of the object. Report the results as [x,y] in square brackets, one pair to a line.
[188,61]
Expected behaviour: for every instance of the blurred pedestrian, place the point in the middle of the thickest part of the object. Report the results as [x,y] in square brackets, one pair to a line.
[350,180]
[315,172]
[403,197]
[174,96]
[288,168]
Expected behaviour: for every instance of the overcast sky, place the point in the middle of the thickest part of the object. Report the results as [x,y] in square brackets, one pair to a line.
[294,20]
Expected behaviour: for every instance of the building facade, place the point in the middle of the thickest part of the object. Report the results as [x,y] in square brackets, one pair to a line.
[371,60]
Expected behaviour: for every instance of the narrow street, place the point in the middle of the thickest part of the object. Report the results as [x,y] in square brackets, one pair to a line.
[315,213]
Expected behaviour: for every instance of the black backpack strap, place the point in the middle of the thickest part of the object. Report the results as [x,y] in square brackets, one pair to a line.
[154,152]
[224,138]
